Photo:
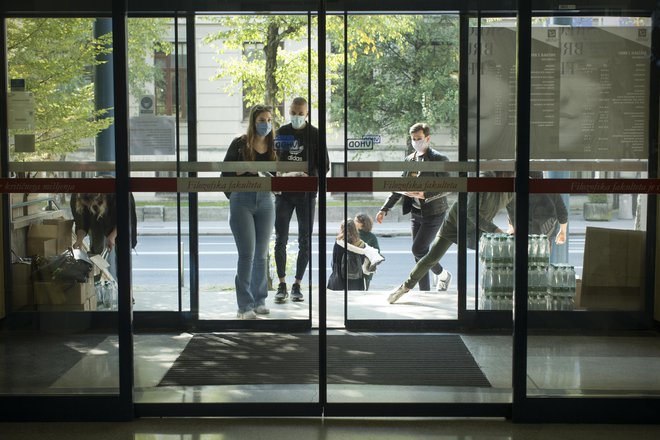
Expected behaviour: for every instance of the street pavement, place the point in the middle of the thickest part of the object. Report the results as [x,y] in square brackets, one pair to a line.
[576,226]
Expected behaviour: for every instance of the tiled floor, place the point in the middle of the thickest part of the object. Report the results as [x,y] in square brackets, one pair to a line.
[557,366]
[323,429]
[562,365]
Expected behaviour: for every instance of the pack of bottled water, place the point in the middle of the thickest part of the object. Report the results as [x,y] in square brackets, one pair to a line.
[561,287]
[496,253]
[550,287]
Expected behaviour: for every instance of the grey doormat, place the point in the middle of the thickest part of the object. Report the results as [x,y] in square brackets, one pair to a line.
[36,361]
[267,358]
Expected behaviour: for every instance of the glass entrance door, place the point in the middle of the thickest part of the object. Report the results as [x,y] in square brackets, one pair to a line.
[240,197]
[242,223]
[403,174]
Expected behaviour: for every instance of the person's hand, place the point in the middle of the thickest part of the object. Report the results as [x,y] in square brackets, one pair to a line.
[380,216]
[110,242]
[416,194]
[561,237]
[110,239]
[77,244]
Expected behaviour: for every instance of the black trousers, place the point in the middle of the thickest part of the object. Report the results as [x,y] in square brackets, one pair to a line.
[424,230]
[304,205]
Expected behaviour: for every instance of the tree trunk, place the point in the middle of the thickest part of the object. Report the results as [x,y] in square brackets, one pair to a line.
[270,50]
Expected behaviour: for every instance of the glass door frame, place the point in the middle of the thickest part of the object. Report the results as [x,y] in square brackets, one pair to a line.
[119,406]
[122,407]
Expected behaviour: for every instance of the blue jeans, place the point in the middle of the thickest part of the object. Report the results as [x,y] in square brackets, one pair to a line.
[251,218]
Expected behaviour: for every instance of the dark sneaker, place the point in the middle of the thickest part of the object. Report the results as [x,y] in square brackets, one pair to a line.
[296,294]
[282,294]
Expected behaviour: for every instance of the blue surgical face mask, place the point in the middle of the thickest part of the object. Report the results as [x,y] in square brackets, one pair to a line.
[297,121]
[263,128]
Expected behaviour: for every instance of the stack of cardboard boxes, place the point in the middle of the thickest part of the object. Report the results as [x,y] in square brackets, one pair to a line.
[49,238]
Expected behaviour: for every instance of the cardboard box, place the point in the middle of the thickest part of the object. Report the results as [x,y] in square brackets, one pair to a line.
[613,271]
[87,306]
[22,291]
[64,232]
[58,229]
[46,247]
[59,293]
[37,234]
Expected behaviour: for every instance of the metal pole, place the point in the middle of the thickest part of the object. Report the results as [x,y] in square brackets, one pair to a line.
[103,94]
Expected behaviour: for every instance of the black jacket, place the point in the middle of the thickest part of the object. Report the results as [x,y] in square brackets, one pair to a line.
[103,226]
[300,146]
[433,203]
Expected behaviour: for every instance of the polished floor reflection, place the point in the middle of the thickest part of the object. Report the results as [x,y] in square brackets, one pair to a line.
[323,429]
[557,366]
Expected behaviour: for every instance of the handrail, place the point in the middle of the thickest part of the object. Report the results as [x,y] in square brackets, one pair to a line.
[374,166]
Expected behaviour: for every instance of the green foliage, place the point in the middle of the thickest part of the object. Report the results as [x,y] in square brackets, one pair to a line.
[262,81]
[397,82]
[56,57]
[401,68]
[145,36]
[597,198]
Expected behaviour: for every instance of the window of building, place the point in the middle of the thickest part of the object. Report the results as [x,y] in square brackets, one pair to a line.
[166,83]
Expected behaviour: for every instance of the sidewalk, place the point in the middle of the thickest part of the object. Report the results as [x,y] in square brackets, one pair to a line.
[391,227]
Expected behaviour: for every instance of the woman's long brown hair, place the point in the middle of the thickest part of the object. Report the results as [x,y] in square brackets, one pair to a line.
[350,232]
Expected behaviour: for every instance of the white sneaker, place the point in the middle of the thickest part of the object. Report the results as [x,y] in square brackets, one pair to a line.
[250,314]
[443,280]
[397,293]
[262,310]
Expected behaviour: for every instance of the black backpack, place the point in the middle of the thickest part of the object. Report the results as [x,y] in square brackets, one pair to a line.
[351,265]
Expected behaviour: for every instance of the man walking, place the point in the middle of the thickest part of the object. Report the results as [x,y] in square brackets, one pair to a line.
[427,209]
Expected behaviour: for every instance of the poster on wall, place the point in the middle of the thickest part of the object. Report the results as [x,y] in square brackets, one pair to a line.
[152,135]
[589,93]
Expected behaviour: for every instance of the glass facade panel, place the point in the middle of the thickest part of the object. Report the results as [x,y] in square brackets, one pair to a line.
[158,145]
[59,337]
[420,115]
[590,82]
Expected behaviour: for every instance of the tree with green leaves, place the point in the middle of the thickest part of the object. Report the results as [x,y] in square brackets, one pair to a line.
[400,82]
[56,57]
[267,70]
[401,68]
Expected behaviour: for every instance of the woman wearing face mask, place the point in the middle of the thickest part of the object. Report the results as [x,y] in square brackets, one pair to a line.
[251,215]
[427,209]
